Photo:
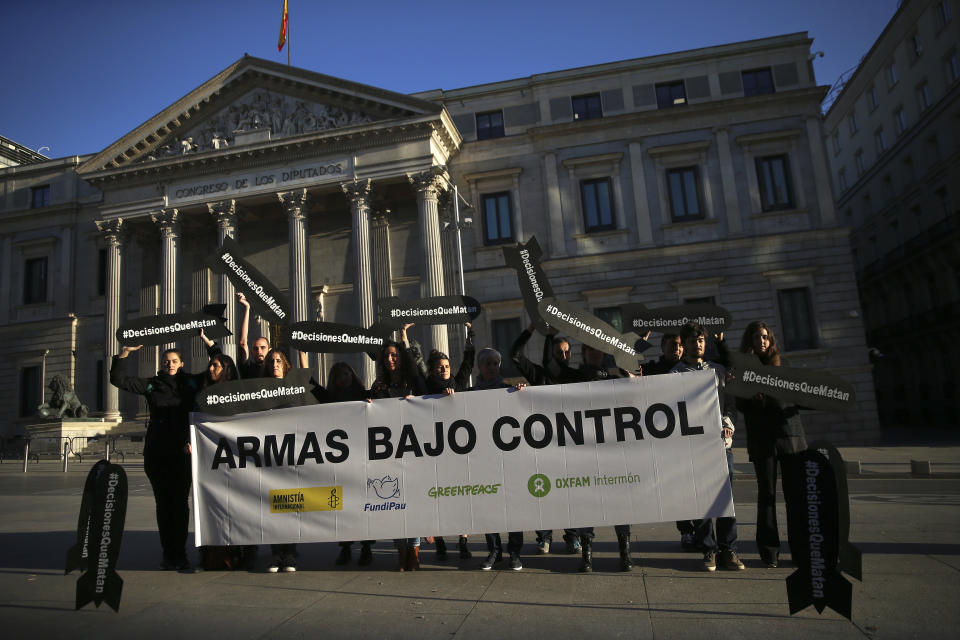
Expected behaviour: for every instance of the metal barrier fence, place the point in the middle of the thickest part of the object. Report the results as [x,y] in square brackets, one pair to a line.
[63,448]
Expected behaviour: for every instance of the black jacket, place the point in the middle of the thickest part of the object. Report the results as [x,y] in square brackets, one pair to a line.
[551,372]
[773,429]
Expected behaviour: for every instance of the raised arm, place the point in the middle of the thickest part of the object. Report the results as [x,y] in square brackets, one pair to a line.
[133,384]
[244,327]
[466,366]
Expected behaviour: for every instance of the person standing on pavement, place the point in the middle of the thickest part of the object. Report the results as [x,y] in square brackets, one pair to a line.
[774,431]
[724,539]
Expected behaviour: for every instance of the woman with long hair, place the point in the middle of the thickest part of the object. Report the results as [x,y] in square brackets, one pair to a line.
[774,431]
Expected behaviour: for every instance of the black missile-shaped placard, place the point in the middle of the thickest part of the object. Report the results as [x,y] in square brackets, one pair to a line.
[534,286]
[79,553]
[851,561]
[394,312]
[334,337]
[257,394]
[157,330]
[638,317]
[810,388]
[582,325]
[262,294]
[817,532]
[108,510]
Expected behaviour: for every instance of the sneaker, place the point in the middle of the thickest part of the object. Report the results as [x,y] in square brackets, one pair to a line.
[492,559]
[289,568]
[515,563]
[543,548]
[730,560]
[288,564]
[183,564]
[770,562]
[710,560]
[573,545]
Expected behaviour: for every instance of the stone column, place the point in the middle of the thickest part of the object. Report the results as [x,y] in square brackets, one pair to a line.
[225,213]
[380,258]
[426,185]
[358,192]
[731,200]
[169,222]
[295,204]
[111,230]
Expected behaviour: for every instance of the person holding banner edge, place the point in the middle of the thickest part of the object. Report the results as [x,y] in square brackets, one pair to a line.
[250,367]
[166,451]
[724,539]
[774,432]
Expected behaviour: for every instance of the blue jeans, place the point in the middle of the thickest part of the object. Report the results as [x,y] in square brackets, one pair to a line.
[726,530]
[514,542]
[546,535]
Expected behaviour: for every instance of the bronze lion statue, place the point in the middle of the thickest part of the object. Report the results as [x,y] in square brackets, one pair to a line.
[63,402]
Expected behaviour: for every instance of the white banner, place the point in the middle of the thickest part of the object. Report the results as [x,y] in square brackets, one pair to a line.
[591,454]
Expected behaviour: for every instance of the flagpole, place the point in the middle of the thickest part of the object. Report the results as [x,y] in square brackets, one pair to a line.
[288,34]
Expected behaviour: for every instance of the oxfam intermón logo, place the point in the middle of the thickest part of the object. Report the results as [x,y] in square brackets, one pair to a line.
[538,485]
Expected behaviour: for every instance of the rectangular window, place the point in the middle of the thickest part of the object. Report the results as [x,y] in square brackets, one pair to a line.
[892,77]
[773,176]
[504,332]
[597,204]
[757,82]
[671,94]
[874,98]
[684,194]
[852,121]
[34,280]
[842,179]
[102,272]
[40,197]
[923,95]
[489,125]
[29,391]
[797,315]
[880,139]
[701,300]
[587,107]
[943,13]
[952,64]
[916,47]
[900,119]
[858,160]
[497,226]
[611,315]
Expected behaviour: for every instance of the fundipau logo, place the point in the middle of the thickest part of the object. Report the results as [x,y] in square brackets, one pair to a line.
[387,489]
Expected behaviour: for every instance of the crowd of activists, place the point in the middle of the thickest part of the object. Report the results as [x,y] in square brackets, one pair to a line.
[773,431]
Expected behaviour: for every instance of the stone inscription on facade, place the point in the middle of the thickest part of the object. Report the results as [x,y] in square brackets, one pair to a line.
[264,181]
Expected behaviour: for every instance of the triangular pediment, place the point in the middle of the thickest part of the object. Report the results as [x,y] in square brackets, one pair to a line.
[253,101]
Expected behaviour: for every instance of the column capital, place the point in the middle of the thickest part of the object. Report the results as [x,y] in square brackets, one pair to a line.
[169,222]
[224,211]
[112,230]
[428,182]
[379,218]
[357,191]
[294,202]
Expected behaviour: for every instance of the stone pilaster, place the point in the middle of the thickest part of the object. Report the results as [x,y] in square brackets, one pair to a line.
[168,220]
[358,192]
[380,258]
[225,214]
[427,184]
[111,230]
[295,205]
[731,201]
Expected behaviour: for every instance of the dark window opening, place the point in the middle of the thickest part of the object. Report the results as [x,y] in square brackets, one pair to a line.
[490,125]
[597,204]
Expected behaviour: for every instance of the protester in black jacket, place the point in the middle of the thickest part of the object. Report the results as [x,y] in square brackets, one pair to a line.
[774,431]
[166,451]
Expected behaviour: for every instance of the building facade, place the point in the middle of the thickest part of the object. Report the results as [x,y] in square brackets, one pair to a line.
[692,176]
[893,136]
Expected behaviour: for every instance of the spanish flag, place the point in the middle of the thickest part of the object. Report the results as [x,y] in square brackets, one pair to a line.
[283,28]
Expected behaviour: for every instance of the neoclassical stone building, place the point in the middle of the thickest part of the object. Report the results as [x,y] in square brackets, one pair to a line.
[690,176]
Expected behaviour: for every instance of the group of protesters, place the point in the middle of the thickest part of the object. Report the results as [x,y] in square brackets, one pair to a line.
[403,370]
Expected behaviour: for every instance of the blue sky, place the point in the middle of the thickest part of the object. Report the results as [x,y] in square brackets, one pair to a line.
[78,75]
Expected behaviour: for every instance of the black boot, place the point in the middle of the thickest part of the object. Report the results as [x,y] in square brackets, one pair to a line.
[586,554]
[441,548]
[464,551]
[344,557]
[366,556]
[626,562]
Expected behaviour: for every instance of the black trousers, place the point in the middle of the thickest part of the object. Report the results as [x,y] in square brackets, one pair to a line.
[514,541]
[169,476]
[768,536]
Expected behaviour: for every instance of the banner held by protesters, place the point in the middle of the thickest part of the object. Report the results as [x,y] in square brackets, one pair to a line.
[599,453]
